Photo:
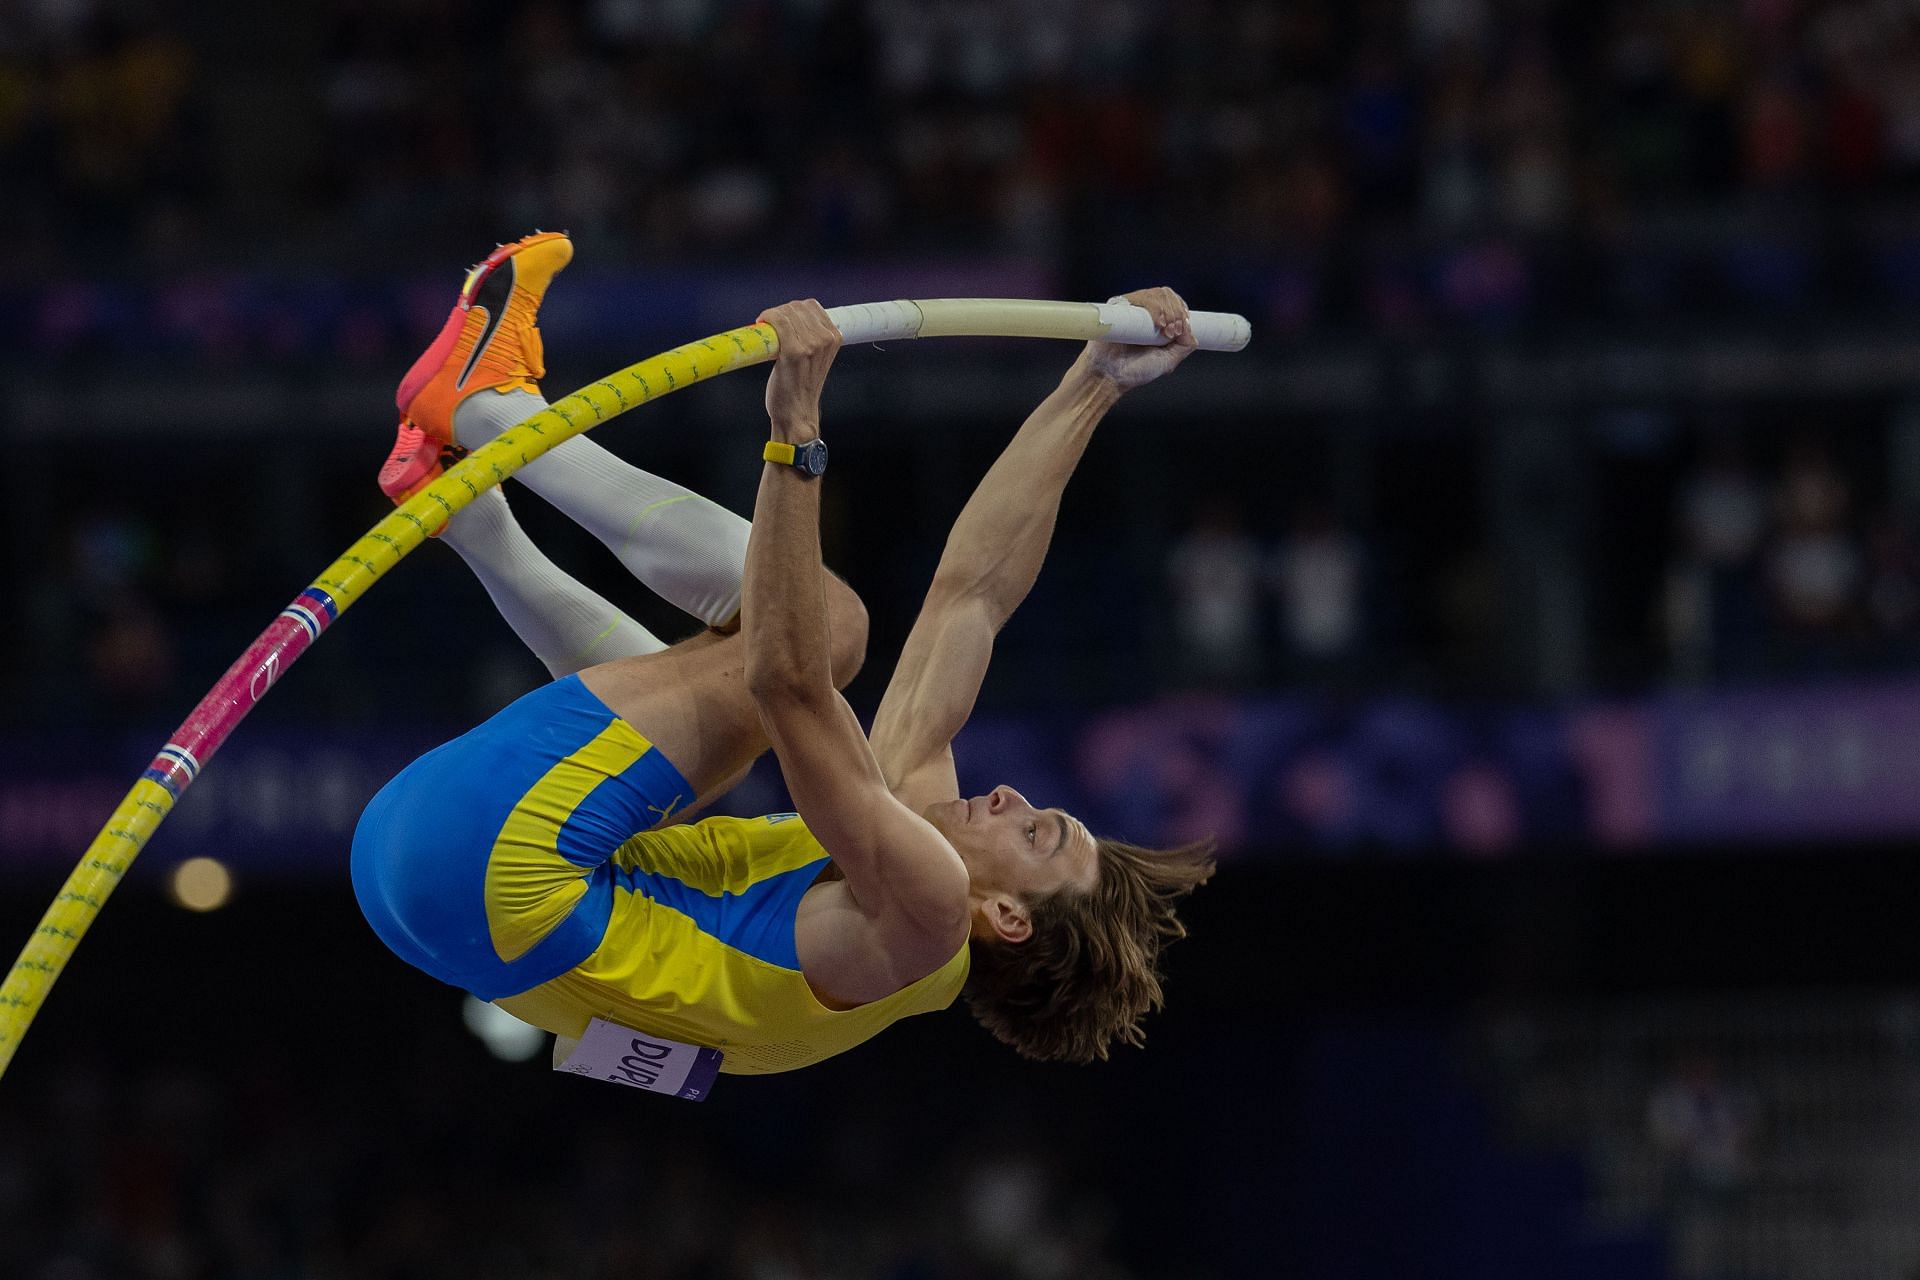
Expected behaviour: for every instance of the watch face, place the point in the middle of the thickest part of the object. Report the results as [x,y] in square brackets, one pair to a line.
[814,458]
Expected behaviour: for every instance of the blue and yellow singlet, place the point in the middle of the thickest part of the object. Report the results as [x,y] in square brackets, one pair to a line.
[526,862]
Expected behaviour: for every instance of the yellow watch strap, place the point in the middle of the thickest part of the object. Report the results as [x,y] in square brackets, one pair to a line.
[778,451]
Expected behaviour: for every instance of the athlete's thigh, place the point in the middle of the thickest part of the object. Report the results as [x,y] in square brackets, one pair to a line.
[691,701]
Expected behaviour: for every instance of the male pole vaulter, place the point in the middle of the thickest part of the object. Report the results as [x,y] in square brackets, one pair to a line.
[538,861]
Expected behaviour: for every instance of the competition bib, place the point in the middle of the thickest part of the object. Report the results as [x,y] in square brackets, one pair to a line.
[612,1052]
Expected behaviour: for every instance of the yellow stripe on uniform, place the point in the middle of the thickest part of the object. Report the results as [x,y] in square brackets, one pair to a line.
[718,856]
[530,885]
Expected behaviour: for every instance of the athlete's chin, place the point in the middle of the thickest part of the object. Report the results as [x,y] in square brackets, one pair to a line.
[947,816]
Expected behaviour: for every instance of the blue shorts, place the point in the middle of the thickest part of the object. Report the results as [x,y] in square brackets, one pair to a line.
[485,863]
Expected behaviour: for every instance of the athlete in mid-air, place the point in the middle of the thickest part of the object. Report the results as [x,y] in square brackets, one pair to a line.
[541,861]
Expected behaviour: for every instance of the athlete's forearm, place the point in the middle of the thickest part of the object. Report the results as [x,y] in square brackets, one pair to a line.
[1001,538]
[783,593]
[783,598]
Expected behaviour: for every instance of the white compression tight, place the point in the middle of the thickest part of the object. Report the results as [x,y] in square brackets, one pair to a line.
[689,551]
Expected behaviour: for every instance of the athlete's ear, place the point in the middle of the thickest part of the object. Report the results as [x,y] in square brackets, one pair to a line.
[1006,919]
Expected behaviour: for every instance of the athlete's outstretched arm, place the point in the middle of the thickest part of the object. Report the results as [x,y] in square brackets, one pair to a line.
[994,554]
[907,880]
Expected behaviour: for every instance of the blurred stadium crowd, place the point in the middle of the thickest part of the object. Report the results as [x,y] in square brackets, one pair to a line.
[216,1172]
[1803,567]
[1388,165]
[1422,171]
[1711,557]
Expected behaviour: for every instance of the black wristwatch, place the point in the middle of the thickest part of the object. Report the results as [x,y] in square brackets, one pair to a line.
[809,459]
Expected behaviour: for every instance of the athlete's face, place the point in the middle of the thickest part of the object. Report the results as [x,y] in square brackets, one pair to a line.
[1015,854]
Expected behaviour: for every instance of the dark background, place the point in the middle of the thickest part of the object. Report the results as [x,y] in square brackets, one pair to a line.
[1533,610]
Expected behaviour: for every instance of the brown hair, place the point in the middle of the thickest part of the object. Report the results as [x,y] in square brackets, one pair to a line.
[1089,972]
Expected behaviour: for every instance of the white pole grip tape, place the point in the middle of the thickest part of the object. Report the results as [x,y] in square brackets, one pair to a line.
[1025,318]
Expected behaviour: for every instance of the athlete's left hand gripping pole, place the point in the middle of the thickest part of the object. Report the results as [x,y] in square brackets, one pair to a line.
[300,624]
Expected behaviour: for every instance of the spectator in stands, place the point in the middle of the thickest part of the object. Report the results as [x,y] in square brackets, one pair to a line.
[1893,588]
[1019,1222]
[1714,622]
[1814,567]
[1318,578]
[1702,1127]
[130,659]
[1213,574]
[1703,1131]
[99,647]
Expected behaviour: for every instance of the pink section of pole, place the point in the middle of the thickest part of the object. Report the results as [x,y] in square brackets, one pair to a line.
[246,682]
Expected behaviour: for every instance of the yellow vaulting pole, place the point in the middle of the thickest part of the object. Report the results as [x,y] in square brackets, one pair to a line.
[179,762]
[385,545]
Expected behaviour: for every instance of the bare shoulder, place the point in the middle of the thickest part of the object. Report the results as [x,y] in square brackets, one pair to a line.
[852,955]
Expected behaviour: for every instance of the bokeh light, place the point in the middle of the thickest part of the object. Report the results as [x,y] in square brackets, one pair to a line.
[506,1037]
[201,884]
